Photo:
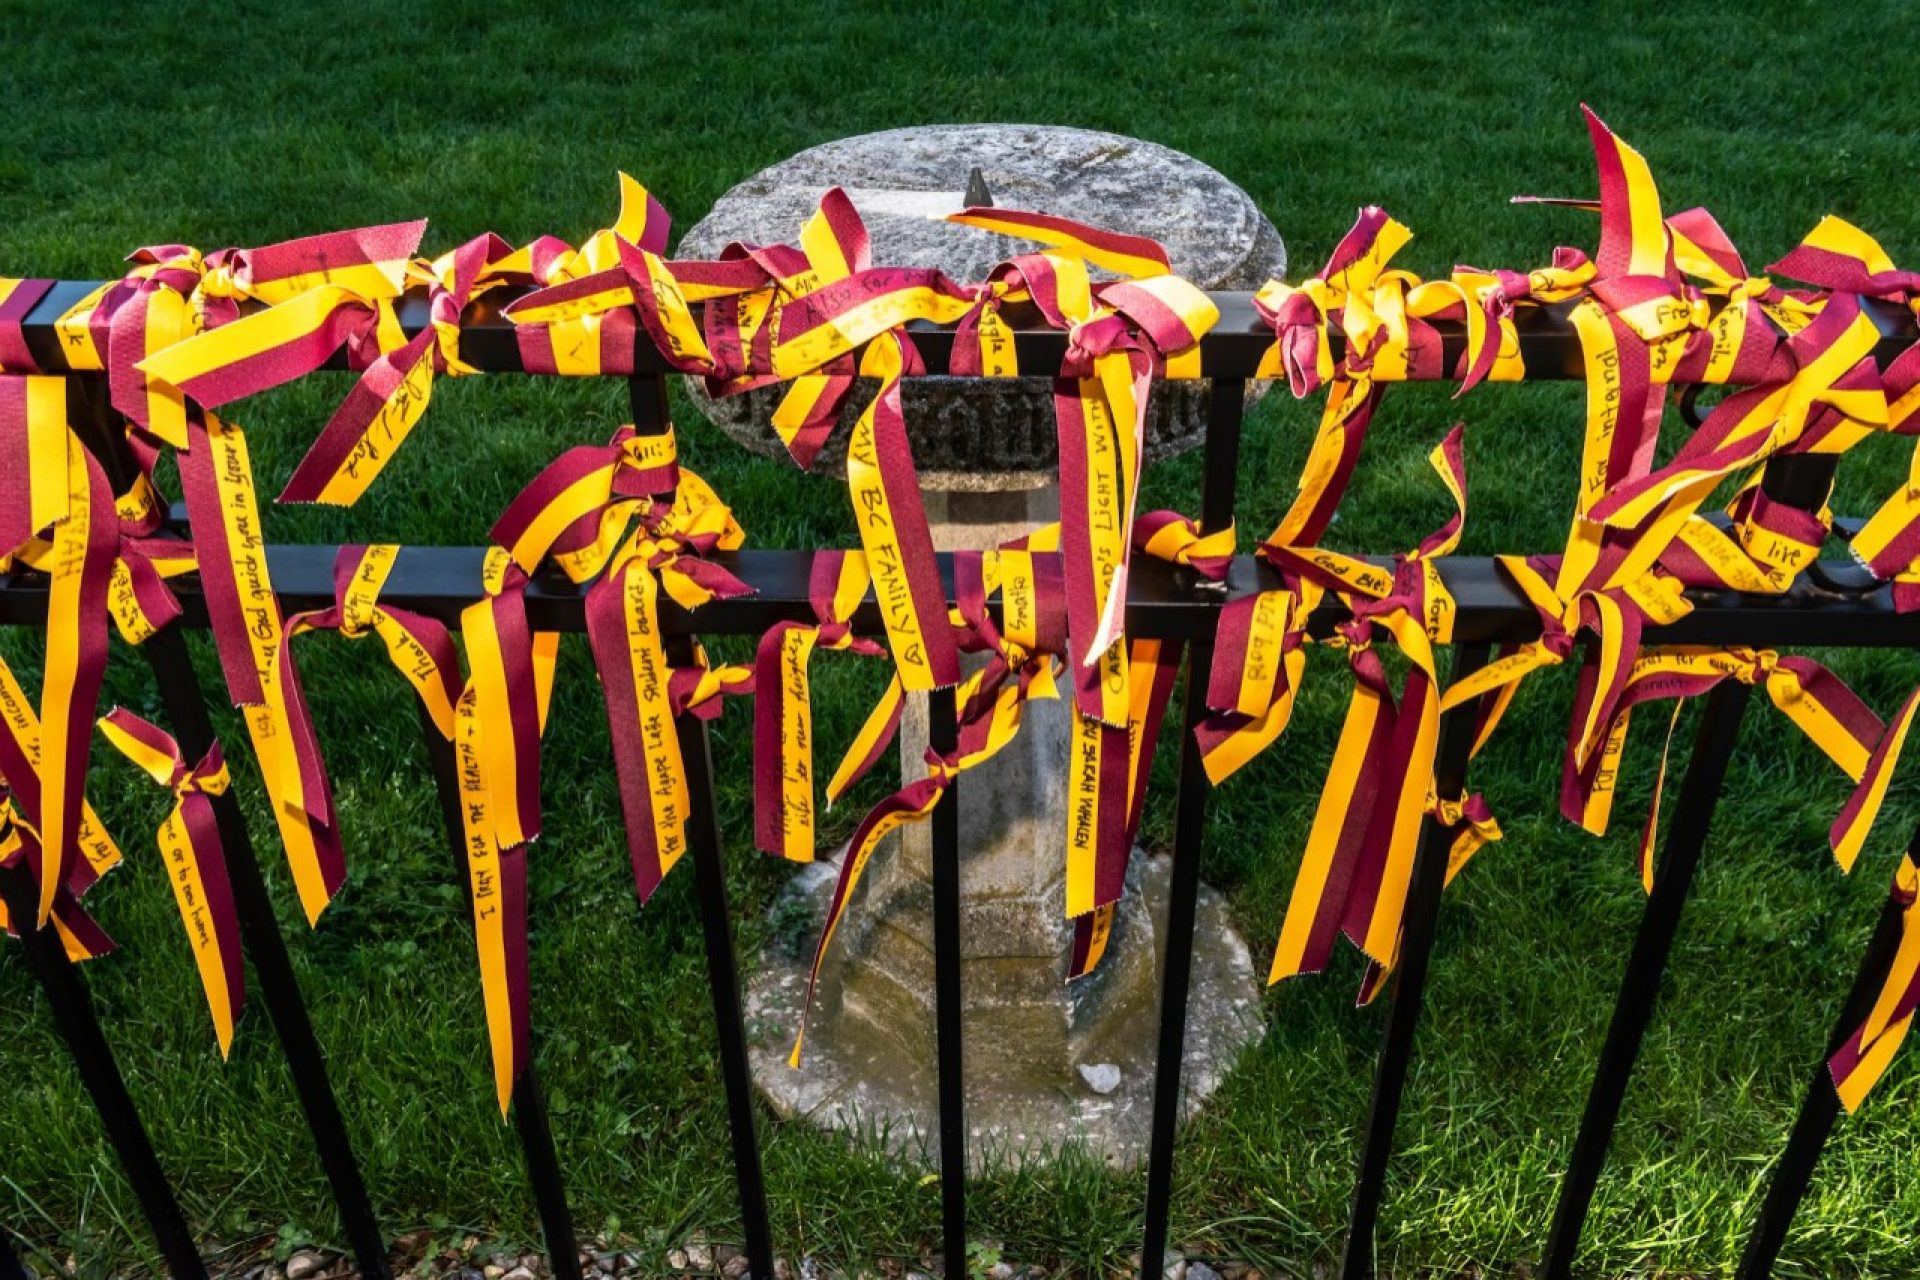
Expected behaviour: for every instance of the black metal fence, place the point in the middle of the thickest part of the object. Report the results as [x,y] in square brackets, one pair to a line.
[1841,606]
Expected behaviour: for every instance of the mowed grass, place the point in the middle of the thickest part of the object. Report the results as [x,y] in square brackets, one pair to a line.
[241,125]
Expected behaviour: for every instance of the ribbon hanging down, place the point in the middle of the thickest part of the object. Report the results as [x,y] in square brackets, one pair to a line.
[196,863]
[487,761]
[990,702]
[628,518]
[1358,861]
[595,512]
[20,745]
[1860,1062]
[56,512]
[784,821]
[498,719]
[20,845]
[249,632]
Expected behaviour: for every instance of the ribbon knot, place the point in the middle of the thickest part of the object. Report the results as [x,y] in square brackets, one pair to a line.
[1176,539]
[209,777]
[1472,825]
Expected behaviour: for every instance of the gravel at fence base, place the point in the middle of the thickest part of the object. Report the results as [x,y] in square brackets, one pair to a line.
[422,1256]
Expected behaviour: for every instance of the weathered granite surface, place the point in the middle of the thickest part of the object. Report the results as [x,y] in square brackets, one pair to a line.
[994,433]
[1048,1066]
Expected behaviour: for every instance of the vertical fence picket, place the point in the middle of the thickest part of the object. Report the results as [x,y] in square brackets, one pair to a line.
[1821,1108]
[1800,480]
[648,399]
[1640,984]
[1422,914]
[1189,838]
[101,428]
[949,1035]
[530,1120]
[723,980]
[73,1016]
[1226,406]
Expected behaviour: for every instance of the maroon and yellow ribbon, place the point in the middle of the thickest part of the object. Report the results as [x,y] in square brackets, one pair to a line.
[58,503]
[1860,1062]
[1358,863]
[249,634]
[196,864]
[784,809]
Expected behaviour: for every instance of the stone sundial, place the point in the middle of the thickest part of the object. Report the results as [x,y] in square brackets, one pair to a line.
[1047,1063]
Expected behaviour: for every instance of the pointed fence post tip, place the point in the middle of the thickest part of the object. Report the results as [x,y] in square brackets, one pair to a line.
[978,197]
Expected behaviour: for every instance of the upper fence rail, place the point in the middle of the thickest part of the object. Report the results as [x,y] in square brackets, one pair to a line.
[1237,346]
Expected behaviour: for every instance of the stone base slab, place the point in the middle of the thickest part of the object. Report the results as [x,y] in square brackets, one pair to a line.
[881,1088]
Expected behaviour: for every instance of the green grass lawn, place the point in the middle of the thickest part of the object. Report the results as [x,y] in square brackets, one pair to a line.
[237,125]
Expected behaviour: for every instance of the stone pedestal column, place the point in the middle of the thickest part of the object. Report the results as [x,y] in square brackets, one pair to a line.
[1047,1063]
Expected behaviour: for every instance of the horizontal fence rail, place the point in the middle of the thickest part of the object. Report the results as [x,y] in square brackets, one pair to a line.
[1163,602]
[1237,346]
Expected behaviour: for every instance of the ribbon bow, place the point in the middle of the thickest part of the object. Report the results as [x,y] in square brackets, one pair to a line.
[81,937]
[321,293]
[418,646]
[196,864]
[1471,824]
[1358,862]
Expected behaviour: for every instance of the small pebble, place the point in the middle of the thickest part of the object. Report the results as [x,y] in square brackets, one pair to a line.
[493,1271]
[520,1273]
[1101,1077]
[1201,1271]
[677,1259]
[699,1255]
[304,1264]
[735,1267]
